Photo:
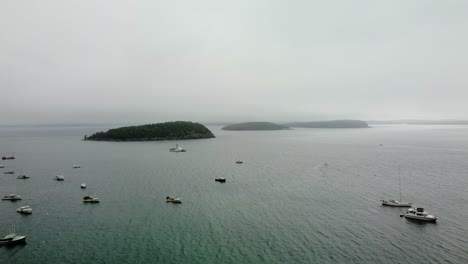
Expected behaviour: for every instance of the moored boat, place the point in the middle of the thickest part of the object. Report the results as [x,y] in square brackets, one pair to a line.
[177,149]
[12,157]
[396,203]
[12,197]
[419,214]
[90,199]
[24,209]
[173,199]
[12,239]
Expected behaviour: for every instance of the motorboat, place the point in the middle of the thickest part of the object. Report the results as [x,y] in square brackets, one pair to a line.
[220,179]
[239,162]
[59,178]
[90,199]
[173,199]
[24,209]
[396,203]
[11,197]
[9,172]
[75,166]
[83,186]
[177,149]
[12,239]
[419,214]
[23,176]
[12,157]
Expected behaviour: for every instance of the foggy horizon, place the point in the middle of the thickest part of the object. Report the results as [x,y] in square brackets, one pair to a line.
[211,61]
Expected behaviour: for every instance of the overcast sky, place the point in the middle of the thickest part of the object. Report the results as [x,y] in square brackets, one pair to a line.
[148,61]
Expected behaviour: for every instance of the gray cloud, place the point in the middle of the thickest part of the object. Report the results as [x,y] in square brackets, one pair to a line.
[232,60]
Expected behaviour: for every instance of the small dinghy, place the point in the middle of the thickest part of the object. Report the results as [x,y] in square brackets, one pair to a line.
[173,199]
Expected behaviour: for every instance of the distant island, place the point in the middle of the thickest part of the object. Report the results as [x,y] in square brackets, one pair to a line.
[255,126]
[161,131]
[419,122]
[330,124]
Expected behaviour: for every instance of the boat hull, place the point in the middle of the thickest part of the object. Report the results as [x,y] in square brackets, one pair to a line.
[397,205]
[419,218]
[15,241]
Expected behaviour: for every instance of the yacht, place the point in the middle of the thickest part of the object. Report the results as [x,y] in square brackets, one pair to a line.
[12,157]
[9,172]
[76,166]
[11,197]
[12,239]
[419,214]
[177,149]
[173,199]
[59,178]
[220,179]
[90,199]
[24,209]
[83,186]
[396,203]
[23,176]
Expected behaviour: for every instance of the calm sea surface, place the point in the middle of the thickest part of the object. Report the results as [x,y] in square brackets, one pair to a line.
[281,206]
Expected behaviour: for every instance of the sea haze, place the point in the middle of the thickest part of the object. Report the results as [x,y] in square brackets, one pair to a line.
[282,205]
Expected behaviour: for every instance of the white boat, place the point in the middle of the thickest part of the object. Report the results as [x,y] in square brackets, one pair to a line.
[11,197]
[59,178]
[90,199]
[177,149]
[419,214]
[24,209]
[12,239]
[173,199]
[23,177]
[83,186]
[75,166]
[396,203]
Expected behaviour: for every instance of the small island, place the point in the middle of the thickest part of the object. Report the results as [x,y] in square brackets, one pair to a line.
[162,131]
[255,126]
[331,124]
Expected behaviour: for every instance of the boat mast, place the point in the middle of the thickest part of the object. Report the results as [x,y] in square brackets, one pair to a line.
[399,181]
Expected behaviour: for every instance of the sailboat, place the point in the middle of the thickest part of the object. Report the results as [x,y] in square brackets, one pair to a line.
[396,203]
[12,239]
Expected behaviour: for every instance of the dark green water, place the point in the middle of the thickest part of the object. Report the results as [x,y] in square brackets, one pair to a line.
[281,206]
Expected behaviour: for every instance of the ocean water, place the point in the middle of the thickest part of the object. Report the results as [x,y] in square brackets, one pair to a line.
[282,205]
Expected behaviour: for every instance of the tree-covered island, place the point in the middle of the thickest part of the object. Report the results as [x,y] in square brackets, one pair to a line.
[162,131]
